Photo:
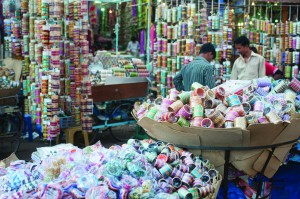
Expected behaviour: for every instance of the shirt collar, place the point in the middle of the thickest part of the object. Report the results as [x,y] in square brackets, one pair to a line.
[201,58]
[253,54]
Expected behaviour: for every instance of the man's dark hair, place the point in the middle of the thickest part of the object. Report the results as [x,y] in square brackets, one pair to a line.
[279,72]
[253,49]
[243,40]
[208,47]
[133,39]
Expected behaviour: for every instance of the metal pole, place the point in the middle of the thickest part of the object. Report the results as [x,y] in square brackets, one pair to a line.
[117,28]
[148,32]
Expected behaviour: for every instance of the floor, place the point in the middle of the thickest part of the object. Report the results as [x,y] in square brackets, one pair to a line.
[26,148]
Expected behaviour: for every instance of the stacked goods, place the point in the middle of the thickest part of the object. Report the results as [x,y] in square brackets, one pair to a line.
[266,102]
[107,59]
[180,33]
[279,43]
[55,58]
[138,169]
[117,66]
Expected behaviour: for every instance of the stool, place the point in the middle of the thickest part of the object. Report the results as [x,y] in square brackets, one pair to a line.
[28,124]
[70,132]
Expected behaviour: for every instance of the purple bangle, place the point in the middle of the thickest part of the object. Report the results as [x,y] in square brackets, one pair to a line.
[262,120]
[286,117]
[167,102]
[231,115]
[259,106]
[261,91]
[263,82]
[185,111]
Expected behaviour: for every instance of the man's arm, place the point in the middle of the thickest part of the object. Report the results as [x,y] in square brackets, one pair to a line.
[129,46]
[177,80]
[233,75]
[209,79]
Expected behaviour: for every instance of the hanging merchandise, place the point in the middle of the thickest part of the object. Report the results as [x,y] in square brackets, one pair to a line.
[52,37]
[181,31]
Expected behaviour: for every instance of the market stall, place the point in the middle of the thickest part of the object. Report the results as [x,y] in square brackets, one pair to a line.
[250,125]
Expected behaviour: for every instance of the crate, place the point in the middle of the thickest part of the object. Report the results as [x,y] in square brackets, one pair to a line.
[117,88]
[67,122]
[9,109]
[9,101]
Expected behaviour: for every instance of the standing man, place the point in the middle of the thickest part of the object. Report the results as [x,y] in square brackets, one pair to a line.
[199,70]
[134,47]
[249,65]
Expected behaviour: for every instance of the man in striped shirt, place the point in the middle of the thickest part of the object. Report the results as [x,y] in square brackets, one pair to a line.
[199,70]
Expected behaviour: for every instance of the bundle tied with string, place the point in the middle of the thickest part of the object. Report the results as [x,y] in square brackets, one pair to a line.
[281,86]
[222,108]
[217,118]
[290,96]
[261,92]
[175,106]
[279,104]
[251,119]
[273,117]
[295,85]
[240,122]
[290,109]
[195,100]
[233,100]
[212,103]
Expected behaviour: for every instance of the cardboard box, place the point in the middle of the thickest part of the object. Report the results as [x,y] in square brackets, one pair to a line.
[118,88]
[6,162]
[250,161]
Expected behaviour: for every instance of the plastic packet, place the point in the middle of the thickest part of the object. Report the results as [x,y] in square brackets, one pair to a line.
[166,196]
[136,193]
[87,181]
[129,183]
[52,191]
[101,191]
[114,168]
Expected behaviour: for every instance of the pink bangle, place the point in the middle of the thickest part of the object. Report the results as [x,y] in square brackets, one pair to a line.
[207,123]
[200,92]
[220,92]
[196,121]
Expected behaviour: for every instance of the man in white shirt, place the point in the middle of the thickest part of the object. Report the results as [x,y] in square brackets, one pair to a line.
[133,47]
[249,65]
